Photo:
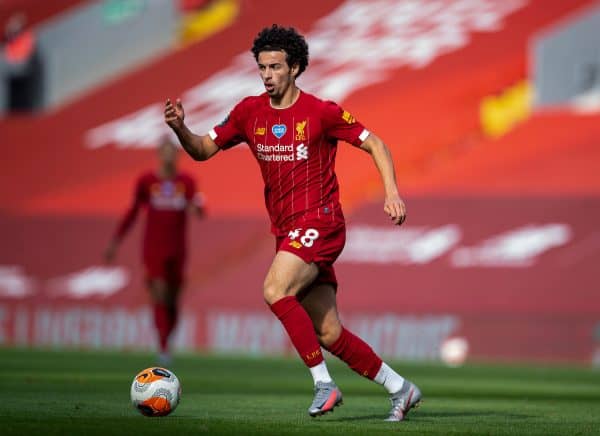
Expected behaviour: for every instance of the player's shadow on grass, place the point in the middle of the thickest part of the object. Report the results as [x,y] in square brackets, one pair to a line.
[490,413]
[428,416]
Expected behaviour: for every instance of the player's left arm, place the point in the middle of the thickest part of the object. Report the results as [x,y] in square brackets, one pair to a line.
[393,206]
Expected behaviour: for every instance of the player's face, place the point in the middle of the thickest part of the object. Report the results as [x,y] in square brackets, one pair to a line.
[275,73]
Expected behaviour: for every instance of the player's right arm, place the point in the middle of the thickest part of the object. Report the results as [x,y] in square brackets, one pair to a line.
[198,147]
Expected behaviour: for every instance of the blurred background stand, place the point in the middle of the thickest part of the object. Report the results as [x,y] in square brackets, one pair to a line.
[21,69]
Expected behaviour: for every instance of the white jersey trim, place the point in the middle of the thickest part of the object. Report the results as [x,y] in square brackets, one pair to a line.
[363,136]
[213,135]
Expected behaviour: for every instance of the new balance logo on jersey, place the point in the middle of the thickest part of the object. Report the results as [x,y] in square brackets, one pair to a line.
[301,152]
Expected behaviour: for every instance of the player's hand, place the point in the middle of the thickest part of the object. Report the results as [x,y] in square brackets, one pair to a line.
[174,114]
[395,208]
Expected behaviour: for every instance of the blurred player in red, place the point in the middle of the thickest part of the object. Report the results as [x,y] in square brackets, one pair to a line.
[168,196]
[293,136]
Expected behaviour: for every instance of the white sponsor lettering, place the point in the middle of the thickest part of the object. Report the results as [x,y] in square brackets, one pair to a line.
[14,283]
[163,202]
[412,245]
[394,336]
[94,281]
[21,327]
[254,333]
[516,248]
[275,153]
[90,327]
[404,337]
[275,148]
[275,157]
[369,40]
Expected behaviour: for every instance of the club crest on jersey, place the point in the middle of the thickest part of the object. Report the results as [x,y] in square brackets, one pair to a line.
[260,131]
[167,188]
[279,130]
[300,136]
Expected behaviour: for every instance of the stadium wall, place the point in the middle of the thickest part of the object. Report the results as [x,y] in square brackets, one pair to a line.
[515,286]
[566,59]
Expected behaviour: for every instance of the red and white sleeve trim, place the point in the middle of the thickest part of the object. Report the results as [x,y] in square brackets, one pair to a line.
[213,135]
[363,136]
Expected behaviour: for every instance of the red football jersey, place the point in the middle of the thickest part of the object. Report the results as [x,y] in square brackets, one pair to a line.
[295,148]
[166,201]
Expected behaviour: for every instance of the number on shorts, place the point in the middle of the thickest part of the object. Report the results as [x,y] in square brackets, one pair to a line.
[309,237]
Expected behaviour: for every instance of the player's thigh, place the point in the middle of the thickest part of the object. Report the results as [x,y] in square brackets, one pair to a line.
[321,305]
[288,275]
[164,276]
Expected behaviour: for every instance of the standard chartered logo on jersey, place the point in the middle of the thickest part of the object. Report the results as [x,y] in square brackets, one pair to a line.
[395,33]
[281,153]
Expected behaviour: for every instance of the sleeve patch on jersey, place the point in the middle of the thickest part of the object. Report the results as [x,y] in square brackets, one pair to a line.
[212,134]
[347,117]
[364,135]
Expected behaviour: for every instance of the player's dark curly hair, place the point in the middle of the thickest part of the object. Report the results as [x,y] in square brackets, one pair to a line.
[286,39]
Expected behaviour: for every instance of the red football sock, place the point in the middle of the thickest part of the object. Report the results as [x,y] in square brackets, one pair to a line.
[357,354]
[161,321]
[299,328]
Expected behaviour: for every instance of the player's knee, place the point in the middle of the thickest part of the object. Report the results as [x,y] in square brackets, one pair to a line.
[272,292]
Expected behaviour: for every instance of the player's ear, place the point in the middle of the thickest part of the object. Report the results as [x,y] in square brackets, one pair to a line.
[294,70]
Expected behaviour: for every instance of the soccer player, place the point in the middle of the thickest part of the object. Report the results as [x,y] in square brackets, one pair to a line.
[293,135]
[167,195]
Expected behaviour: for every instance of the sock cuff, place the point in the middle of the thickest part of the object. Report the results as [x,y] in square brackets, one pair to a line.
[283,306]
[374,369]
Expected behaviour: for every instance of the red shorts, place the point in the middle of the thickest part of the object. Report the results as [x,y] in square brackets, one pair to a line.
[318,244]
[166,267]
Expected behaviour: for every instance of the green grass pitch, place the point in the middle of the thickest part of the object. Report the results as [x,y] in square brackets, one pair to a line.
[87,393]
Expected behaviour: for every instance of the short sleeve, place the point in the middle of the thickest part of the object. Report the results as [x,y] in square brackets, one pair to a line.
[230,131]
[340,124]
